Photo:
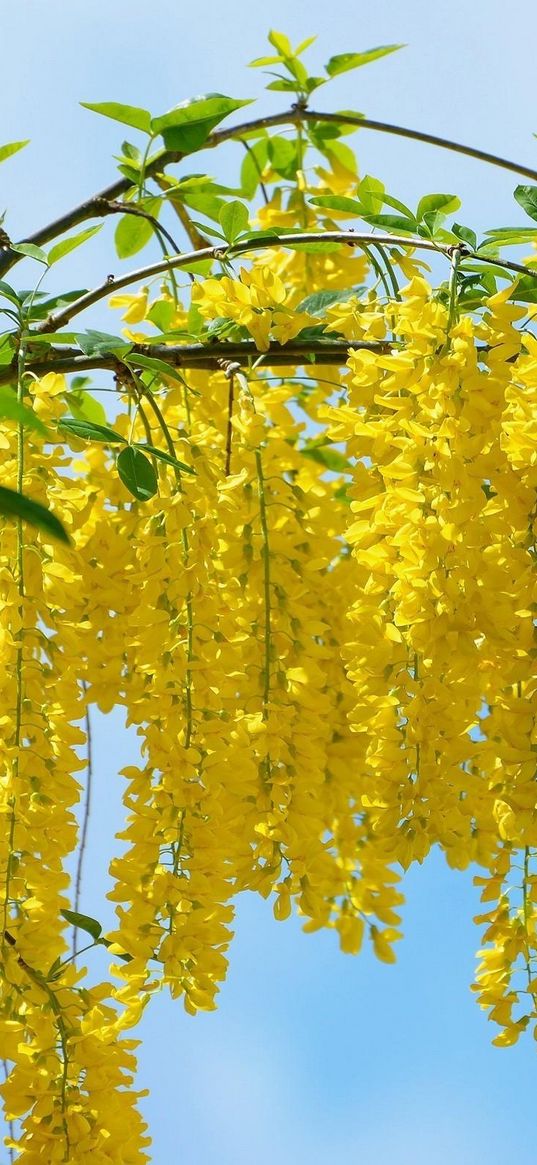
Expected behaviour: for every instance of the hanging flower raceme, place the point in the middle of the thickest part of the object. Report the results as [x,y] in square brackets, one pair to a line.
[310,588]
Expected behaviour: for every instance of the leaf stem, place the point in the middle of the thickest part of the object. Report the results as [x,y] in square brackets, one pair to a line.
[85,817]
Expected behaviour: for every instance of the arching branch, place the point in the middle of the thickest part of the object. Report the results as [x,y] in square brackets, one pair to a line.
[95,206]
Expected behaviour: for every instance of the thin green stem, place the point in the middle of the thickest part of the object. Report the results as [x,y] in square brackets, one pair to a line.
[452,298]
[63,1034]
[19,660]
[266,583]
[176,847]
[229,427]
[85,818]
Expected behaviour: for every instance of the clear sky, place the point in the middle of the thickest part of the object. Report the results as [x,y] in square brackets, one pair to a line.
[312,1055]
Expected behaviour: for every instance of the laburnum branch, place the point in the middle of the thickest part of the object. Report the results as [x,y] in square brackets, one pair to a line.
[203,356]
[58,320]
[96,206]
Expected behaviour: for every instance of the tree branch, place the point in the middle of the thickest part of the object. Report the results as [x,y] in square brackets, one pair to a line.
[204,356]
[350,238]
[95,206]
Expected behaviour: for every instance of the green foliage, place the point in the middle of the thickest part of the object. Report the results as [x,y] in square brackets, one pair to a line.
[11,148]
[137,473]
[345,61]
[16,505]
[12,409]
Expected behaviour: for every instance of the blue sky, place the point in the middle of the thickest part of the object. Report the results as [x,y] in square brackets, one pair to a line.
[312,1055]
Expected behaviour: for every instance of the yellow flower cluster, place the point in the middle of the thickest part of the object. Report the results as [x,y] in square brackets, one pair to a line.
[442,644]
[328,674]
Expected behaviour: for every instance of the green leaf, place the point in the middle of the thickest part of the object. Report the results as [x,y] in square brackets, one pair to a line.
[525,290]
[188,125]
[389,200]
[68,245]
[305,44]
[132,233]
[84,407]
[126,114]
[313,83]
[161,314]
[510,236]
[42,309]
[252,167]
[11,148]
[105,942]
[206,204]
[345,61]
[317,303]
[9,293]
[260,61]
[281,43]
[437,202]
[137,473]
[17,505]
[93,343]
[344,155]
[371,194]
[31,251]
[234,220]
[156,365]
[283,85]
[283,156]
[129,172]
[323,454]
[392,222]
[526,197]
[161,455]
[465,234]
[340,202]
[207,231]
[131,152]
[88,431]
[12,410]
[83,922]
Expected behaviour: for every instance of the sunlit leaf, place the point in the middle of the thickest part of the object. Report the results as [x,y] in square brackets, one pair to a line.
[132,234]
[11,148]
[162,455]
[83,922]
[189,124]
[526,197]
[68,245]
[345,61]
[126,114]
[17,505]
[89,431]
[13,410]
[234,219]
[30,251]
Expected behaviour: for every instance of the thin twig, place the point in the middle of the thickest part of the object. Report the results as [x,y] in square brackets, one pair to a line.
[350,238]
[139,212]
[85,817]
[262,186]
[229,369]
[194,236]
